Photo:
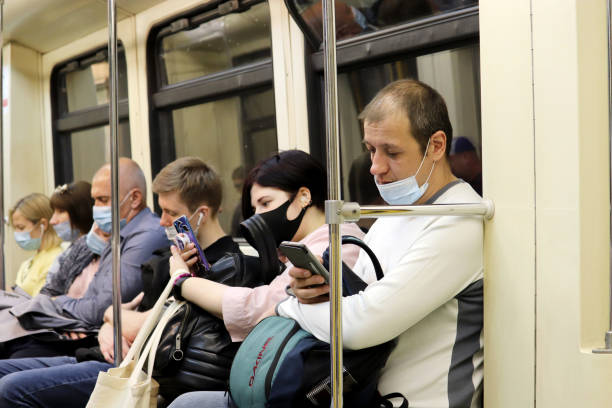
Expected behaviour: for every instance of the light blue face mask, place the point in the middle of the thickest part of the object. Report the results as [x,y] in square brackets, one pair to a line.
[104,218]
[65,232]
[25,240]
[171,232]
[95,243]
[406,191]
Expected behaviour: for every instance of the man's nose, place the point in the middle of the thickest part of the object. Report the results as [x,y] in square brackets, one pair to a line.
[165,221]
[379,164]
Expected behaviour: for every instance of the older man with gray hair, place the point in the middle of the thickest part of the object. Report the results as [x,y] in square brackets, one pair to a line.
[140,235]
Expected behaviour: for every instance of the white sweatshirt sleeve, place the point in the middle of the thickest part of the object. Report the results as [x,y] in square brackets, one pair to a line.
[444,259]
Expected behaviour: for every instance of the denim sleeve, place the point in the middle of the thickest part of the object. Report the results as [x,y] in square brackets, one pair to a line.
[135,250]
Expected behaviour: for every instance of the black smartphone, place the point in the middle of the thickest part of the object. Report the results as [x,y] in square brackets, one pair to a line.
[300,256]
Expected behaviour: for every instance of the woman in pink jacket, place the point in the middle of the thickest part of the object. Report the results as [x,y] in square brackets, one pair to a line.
[288,190]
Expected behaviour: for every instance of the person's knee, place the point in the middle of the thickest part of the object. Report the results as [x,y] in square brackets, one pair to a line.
[11,391]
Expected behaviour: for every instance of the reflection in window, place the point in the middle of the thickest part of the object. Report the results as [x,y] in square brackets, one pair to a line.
[454,73]
[217,45]
[90,149]
[80,93]
[354,17]
[231,135]
[88,85]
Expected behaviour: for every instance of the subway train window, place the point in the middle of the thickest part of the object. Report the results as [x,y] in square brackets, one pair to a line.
[84,142]
[212,93]
[454,73]
[80,97]
[216,45]
[356,17]
[88,85]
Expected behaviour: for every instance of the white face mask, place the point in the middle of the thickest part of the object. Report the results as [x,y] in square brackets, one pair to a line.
[406,191]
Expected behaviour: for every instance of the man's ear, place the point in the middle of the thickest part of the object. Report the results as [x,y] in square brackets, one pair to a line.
[205,212]
[437,146]
[138,199]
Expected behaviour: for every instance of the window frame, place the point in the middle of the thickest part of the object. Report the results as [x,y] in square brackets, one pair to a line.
[164,98]
[64,123]
[419,37]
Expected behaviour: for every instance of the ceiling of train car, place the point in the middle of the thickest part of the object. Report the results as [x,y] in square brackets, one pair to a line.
[45,25]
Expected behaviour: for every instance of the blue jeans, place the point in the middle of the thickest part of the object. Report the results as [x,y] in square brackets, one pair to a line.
[48,381]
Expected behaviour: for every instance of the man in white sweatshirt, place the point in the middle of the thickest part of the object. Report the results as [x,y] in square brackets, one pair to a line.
[430,297]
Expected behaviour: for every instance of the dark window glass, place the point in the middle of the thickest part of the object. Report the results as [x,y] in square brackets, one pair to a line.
[86,83]
[231,135]
[91,149]
[454,73]
[217,45]
[355,17]
[212,93]
[80,95]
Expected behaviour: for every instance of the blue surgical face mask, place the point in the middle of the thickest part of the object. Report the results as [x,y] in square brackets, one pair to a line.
[65,232]
[406,191]
[25,240]
[95,243]
[103,216]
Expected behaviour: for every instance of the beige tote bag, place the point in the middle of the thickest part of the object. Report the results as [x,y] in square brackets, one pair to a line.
[128,386]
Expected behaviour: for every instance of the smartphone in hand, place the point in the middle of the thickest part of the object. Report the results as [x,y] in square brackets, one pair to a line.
[185,236]
[300,256]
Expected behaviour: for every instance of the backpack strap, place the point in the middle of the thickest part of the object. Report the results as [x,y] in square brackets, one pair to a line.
[384,400]
[349,239]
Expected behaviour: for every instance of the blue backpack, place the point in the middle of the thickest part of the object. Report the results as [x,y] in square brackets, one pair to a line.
[280,365]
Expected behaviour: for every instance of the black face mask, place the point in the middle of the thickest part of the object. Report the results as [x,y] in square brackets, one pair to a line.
[276,223]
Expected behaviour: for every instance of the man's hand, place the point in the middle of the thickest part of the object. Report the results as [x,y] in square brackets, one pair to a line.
[182,259]
[308,288]
[131,305]
[134,303]
[105,339]
[75,335]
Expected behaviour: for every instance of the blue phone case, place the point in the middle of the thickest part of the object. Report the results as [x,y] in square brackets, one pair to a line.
[183,227]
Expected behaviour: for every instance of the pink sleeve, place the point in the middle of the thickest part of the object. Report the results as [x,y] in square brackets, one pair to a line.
[243,307]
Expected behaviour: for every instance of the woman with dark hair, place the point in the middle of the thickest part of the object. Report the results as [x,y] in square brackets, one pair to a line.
[72,220]
[288,191]
[72,210]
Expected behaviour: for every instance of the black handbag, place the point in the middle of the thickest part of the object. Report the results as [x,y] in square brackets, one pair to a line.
[195,352]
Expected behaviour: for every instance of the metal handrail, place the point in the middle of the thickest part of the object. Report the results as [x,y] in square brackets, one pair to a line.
[354,212]
[114,153]
[2,224]
[607,349]
[333,166]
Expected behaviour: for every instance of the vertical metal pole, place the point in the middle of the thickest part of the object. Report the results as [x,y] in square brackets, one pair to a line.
[114,148]
[609,17]
[333,169]
[607,349]
[2,225]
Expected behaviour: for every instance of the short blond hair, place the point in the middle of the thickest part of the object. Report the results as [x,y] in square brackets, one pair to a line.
[195,182]
[34,207]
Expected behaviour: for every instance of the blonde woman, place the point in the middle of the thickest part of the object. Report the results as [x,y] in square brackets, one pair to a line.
[30,221]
